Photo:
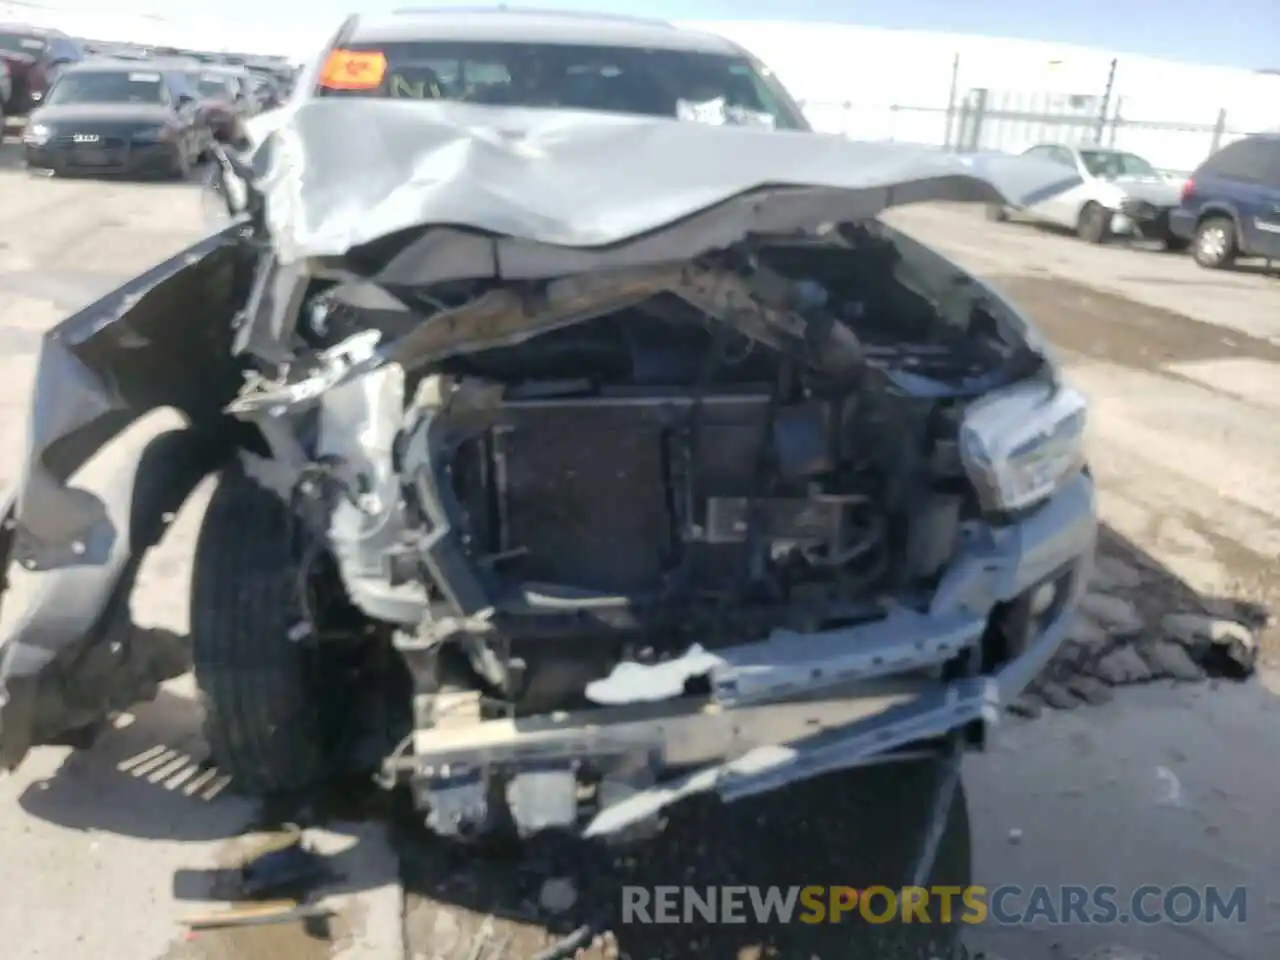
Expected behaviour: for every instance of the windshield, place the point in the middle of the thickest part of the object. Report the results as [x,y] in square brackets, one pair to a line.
[659,83]
[115,86]
[1110,164]
[21,43]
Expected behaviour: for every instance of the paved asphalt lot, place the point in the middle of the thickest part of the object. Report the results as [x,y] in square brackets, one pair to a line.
[104,851]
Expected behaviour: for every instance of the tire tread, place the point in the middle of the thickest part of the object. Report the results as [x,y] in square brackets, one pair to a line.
[260,722]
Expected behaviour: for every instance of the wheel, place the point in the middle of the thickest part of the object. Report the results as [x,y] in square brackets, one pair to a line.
[997,213]
[1094,224]
[260,689]
[1215,243]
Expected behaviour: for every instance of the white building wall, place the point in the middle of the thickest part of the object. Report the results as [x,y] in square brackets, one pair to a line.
[875,65]
[867,82]
[875,83]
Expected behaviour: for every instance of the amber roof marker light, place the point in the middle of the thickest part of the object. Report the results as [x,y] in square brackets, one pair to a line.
[353,70]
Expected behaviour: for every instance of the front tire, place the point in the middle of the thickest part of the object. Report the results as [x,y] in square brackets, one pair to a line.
[1215,247]
[1094,224]
[259,688]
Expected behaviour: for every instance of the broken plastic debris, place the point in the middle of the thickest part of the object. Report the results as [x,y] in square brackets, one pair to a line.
[285,864]
[631,682]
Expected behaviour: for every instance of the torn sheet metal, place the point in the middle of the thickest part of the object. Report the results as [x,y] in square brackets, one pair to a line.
[569,179]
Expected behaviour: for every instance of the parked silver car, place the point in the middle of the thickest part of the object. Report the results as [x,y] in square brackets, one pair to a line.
[1119,194]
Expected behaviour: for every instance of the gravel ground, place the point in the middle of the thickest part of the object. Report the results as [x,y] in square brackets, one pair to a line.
[1186,447]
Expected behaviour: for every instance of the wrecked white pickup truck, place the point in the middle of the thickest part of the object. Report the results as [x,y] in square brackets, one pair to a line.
[569,463]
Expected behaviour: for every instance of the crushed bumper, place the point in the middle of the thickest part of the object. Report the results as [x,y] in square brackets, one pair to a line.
[1141,218]
[796,706]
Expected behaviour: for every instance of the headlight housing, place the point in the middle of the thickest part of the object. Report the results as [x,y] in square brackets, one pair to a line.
[36,134]
[1018,445]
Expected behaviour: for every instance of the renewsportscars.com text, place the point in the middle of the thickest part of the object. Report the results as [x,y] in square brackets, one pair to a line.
[1003,905]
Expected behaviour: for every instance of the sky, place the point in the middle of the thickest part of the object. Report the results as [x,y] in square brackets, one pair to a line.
[1241,33]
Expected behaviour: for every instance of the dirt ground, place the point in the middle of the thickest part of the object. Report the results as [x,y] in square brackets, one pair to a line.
[119,843]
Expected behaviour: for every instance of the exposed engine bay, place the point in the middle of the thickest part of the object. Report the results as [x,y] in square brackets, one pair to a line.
[555,506]
[540,485]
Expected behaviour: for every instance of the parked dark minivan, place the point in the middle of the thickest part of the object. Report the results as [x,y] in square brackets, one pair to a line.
[1231,205]
[33,55]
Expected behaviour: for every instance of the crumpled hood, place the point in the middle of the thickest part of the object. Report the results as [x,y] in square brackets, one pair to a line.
[336,174]
[1162,193]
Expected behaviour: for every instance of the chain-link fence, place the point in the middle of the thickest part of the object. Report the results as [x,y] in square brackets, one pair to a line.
[968,120]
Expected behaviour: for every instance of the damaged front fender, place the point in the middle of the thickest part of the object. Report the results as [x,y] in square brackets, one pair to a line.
[75,656]
[160,340]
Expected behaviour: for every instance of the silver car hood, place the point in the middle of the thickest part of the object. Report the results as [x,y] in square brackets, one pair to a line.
[1161,193]
[336,174]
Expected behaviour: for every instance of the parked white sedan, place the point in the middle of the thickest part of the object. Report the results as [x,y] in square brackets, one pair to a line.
[1119,194]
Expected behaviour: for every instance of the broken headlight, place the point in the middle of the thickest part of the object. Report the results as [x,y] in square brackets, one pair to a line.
[1019,444]
[36,135]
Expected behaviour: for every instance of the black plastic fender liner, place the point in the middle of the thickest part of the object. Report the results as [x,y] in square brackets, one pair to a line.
[75,655]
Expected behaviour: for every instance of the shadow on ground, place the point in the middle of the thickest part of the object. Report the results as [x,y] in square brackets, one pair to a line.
[150,780]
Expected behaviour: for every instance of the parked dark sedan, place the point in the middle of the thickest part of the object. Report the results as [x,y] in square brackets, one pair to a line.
[117,117]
